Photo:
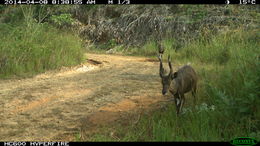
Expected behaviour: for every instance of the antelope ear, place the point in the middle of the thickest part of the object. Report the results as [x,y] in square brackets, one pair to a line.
[174,75]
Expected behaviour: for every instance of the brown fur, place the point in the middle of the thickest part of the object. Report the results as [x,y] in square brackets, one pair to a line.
[179,83]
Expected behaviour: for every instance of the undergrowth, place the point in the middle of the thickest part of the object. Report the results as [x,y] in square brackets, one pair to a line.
[32,47]
[228,68]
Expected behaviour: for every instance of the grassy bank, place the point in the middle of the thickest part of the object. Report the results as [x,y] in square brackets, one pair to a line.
[36,47]
[228,68]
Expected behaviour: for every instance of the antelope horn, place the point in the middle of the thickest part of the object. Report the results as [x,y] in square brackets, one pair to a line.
[170,65]
[161,71]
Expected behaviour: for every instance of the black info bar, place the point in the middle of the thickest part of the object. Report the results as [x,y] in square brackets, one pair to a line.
[126,2]
[20,143]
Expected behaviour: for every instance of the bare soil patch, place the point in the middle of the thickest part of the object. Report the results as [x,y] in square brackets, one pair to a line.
[57,105]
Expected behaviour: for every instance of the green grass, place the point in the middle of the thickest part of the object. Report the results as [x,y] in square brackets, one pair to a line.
[29,49]
[149,49]
[229,71]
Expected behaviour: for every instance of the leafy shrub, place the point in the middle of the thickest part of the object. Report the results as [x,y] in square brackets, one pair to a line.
[62,20]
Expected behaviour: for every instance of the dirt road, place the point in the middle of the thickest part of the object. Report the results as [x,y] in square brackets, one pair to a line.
[57,105]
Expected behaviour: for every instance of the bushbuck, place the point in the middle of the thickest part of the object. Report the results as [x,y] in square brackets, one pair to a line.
[178,83]
[160,48]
